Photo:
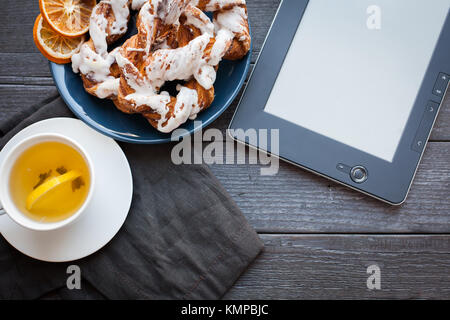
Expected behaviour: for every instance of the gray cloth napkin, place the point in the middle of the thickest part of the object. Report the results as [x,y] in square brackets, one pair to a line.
[184,237]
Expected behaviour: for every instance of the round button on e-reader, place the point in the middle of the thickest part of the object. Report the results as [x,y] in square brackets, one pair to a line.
[358,174]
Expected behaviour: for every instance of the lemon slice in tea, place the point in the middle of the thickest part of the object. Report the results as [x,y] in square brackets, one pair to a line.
[50,185]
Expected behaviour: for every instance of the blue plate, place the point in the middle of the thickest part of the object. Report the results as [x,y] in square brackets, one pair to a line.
[103,116]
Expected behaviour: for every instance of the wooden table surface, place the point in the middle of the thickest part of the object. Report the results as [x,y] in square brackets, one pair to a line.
[319,237]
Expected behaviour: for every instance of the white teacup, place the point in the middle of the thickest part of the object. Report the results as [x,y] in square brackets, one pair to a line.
[7,205]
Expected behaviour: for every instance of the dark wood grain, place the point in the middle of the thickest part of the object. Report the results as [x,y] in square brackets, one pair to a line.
[17,36]
[319,236]
[335,267]
[294,200]
[21,63]
[297,201]
[18,101]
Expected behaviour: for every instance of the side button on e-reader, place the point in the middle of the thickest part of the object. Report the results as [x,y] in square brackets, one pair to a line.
[358,174]
[423,131]
[441,85]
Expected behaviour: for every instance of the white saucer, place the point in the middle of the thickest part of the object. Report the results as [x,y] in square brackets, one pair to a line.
[105,214]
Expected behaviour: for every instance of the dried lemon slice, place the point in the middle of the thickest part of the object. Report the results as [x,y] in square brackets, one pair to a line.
[69,18]
[52,45]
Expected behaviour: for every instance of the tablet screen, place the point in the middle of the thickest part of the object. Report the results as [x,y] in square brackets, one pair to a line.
[354,70]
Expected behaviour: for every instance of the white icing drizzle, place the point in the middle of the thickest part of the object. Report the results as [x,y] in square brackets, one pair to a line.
[134,79]
[137,4]
[215,5]
[135,49]
[108,88]
[170,14]
[182,63]
[164,64]
[186,107]
[147,16]
[228,24]
[223,41]
[198,19]
[97,31]
[232,20]
[171,64]
[121,14]
[95,63]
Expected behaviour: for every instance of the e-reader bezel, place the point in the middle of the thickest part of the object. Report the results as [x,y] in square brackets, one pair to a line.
[387,181]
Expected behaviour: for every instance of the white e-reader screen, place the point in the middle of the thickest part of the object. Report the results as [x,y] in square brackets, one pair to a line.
[354,69]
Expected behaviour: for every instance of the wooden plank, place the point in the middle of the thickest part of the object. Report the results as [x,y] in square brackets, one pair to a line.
[18,52]
[19,56]
[18,38]
[296,201]
[16,23]
[261,14]
[335,267]
[34,81]
[20,61]
[19,101]
[40,75]
[441,129]
[17,65]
